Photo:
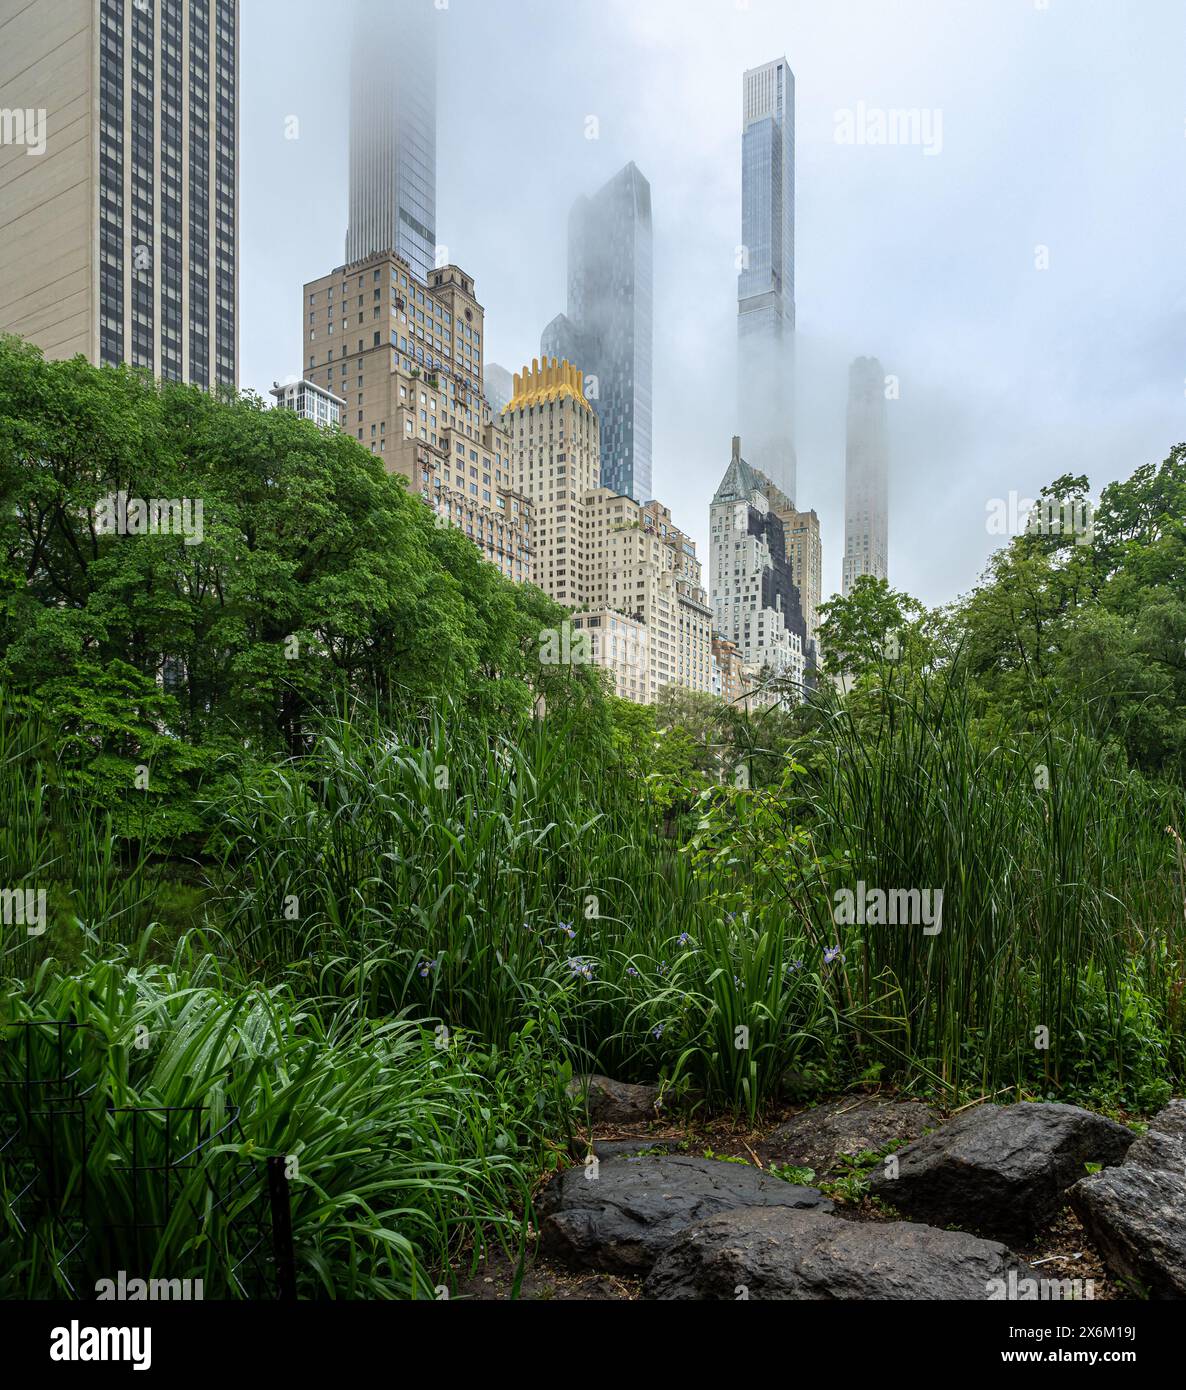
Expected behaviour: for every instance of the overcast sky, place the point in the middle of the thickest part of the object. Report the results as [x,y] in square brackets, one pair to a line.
[1063,126]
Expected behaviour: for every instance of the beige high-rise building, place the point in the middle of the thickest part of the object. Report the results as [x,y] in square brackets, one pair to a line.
[119,182]
[406,357]
[806,557]
[628,573]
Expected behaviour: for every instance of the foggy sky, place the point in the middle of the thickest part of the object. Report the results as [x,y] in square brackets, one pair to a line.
[1062,126]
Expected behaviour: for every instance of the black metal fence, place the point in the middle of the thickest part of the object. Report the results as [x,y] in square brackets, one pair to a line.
[167,1172]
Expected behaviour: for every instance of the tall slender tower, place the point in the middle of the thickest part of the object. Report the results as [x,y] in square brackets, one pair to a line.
[866,474]
[608,331]
[119,200]
[766,283]
[393,137]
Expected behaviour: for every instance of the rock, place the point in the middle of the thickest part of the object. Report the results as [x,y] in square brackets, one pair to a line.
[1137,1219]
[1171,1120]
[818,1137]
[776,1254]
[625,1217]
[1000,1171]
[1163,1145]
[614,1102]
[1166,1152]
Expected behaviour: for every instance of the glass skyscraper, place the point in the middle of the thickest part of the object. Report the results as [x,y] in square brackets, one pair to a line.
[866,475]
[766,282]
[393,137]
[608,331]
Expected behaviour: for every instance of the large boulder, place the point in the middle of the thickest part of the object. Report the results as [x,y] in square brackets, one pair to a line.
[610,1102]
[621,1214]
[777,1254]
[1137,1220]
[819,1137]
[1000,1171]
[1163,1145]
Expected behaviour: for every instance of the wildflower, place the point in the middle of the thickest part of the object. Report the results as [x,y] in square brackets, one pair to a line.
[662,967]
[630,970]
[566,928]
[580,967]
[684,939]
[832,953]
[737,982]
[427,967]
[657,1031]
[794,965]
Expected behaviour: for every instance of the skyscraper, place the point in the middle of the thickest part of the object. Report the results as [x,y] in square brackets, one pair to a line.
[393,138]
[119,206]
[866,474]
[754,600]
[608,331]
[406,357]
[766,283]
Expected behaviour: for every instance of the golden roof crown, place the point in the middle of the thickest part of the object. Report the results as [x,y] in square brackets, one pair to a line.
[550,380]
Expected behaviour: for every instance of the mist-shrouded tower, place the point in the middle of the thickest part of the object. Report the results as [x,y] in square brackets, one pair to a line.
[866,475]
[608,331]
[393,132]
[766,283]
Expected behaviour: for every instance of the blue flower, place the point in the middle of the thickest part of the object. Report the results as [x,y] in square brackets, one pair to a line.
[662,967]
[831,954]
[427,967]
[580,967]
[630,970]
[794,965]
[566,928]
[657,1031]
[684,939]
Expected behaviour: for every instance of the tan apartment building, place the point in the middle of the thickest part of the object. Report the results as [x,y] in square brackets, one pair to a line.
[119,182]
[628,573]
[806,557]
[406,357]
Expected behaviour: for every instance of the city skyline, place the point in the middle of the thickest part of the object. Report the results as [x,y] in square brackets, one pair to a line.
[1009,375]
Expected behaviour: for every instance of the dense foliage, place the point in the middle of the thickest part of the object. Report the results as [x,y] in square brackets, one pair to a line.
[381,892]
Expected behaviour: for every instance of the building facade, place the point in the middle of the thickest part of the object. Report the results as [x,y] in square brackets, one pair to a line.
[766,279]
[310,402]
[119,203]
[866,475]
[805,554]
[406,357]
[627,572]
[754,600]
[393,118]
[609,327]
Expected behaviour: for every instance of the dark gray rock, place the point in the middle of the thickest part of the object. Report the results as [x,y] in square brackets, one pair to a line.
[1166,1152]
[783,1255]
[818,1137]
[631,1211]
[614,1102]
[1163,1145]
[1171,1120]
[1000,1171]
[1137,1220]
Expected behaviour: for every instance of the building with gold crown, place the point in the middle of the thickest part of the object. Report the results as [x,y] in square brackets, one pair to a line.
[406,356]
[629,575]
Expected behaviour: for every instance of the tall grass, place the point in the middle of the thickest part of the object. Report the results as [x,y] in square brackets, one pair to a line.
[403,1150]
